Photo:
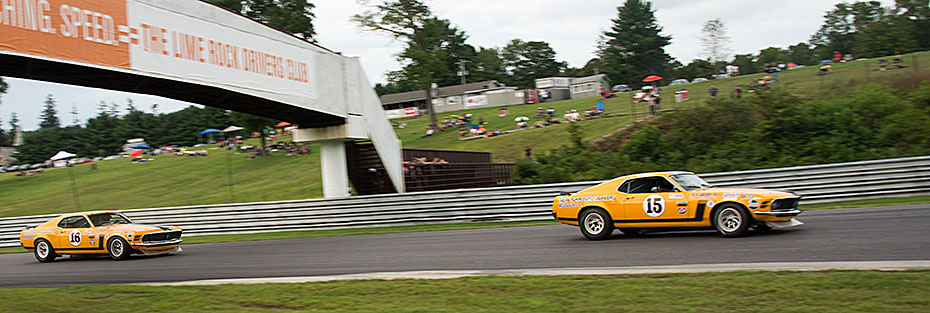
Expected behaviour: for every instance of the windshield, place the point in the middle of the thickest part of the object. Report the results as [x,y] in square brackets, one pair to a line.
[690,181]
[104,219]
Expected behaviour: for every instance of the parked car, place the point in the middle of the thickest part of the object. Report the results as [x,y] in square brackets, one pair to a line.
[101,232]
[678,82]
[673,200]
[621,88]
[698,80]
[721,76]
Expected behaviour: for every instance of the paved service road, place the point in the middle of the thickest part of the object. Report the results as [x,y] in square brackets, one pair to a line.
[863,234]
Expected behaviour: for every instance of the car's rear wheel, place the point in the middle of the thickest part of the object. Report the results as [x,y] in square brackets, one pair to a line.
[119,249]
[44,251]
[732,220]
[596,224]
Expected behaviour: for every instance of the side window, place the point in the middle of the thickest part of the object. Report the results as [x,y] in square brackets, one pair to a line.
[641,185]
[80,222]
[624,187]
[74,222]
[651,185]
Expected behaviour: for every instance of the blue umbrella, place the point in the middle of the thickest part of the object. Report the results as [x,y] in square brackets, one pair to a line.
[140,146]
[210,131]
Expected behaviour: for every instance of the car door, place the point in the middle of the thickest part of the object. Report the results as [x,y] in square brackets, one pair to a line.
[653,199]
[75,234]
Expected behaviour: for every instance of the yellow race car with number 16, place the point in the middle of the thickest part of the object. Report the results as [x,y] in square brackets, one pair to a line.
[109,233]
[673,200]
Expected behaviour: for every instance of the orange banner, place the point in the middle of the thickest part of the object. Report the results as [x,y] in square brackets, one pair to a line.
[92,31]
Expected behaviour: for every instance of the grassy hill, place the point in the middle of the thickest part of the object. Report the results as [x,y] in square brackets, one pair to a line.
[175,181]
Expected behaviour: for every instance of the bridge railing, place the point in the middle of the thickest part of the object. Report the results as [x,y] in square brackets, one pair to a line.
[819,183]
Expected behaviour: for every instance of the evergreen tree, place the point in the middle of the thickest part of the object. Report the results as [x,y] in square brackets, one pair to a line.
[488,65]
[527,61]
[49,117]
[634,46]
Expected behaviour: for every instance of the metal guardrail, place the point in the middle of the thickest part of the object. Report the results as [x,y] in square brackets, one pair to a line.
[818,183]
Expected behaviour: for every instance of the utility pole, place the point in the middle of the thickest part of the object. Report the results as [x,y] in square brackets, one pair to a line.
[462,72]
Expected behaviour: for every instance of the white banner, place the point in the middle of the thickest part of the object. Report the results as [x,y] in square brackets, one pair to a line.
[477,100]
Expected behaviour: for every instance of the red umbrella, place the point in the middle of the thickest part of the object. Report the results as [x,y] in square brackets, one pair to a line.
[282,124]
[136,153]
[652,78]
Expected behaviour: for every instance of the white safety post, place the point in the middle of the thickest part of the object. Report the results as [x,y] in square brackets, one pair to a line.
[334,167]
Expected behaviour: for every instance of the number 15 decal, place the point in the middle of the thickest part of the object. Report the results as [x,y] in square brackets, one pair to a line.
[654,205]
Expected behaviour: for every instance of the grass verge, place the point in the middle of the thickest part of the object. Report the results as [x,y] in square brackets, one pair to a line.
[829,291]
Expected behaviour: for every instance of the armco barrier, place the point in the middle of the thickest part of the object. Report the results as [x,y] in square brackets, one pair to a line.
[818,183]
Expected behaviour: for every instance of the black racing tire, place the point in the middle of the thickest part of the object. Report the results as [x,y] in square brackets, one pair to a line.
[595,224]
[732,220]
[631,231]
[44,252]
[119,248]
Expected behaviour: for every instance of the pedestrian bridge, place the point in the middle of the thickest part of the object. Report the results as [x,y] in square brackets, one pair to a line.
[200,53]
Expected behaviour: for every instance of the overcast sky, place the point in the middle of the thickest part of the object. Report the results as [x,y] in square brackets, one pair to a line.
[570,27]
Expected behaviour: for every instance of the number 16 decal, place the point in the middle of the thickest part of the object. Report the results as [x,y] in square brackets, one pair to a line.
[654,205]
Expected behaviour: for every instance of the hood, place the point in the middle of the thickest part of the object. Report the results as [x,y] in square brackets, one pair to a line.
[134,227]
[765,193]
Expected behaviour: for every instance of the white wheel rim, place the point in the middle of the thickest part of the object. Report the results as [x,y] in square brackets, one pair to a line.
[729,220]
[594,223]
[42,250]
[116,248]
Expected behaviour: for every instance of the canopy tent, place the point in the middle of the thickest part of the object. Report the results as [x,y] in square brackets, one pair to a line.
[141,147]
[210,131]
[231,129]
[283,124]
[652,78]
[135,153]
[62,155]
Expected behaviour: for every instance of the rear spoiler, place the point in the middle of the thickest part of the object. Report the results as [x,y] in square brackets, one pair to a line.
[30,227]
[567,193]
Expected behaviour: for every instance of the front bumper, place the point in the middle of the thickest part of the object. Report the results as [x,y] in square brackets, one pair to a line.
[781,213]
[153,244]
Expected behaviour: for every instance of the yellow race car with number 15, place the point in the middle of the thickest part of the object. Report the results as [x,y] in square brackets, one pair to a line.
[109,233]
[673,200]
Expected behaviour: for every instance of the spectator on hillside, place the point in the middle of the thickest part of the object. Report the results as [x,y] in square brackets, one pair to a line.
[550,111]
[825,69]
[897,63]
[429,131]
[882,65]
[539,111]
[738,92]
[836,56]
[713,91]
[529,152]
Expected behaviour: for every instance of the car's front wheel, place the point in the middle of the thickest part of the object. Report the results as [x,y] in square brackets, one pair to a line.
[119,249]
[732,220]
[44,251]
[596,224]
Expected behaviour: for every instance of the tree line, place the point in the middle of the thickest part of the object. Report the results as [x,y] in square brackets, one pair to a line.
[634,46]
[107,132]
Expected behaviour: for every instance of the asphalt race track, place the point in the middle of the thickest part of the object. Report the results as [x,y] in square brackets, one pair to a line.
[862,234]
